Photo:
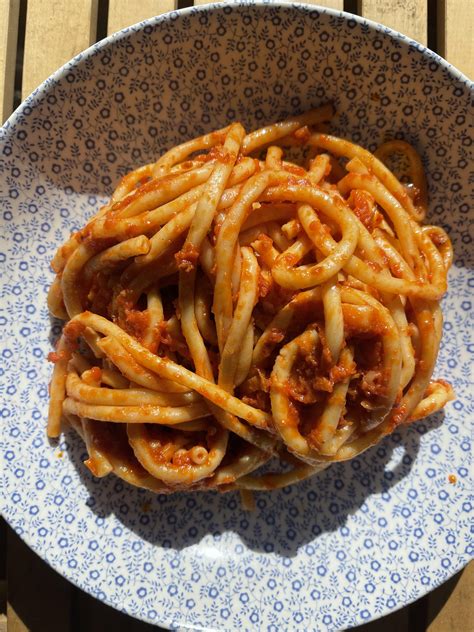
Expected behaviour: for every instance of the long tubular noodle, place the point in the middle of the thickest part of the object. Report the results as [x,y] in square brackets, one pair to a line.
[81,364]
[255,308]
[166,369]
[121,228]
[442,242]
[98,463]
[398,314]
[81,391]
[119,454]
[157,192]
[275,331]
[214,189]
[207,258]
[392,355]
[235,278]
[155,316]
[57,388]
[130,181]
[361,270]
[122,251]
[417,173]
[271,481]
[396,261]
[278,237]
[55,300]
[246,461]
[272,133]
[175,474]
[315,274]
[273,158]
[398,216]
[251,234]
[241,320]
[333,317]
[284,413]
[186,291]
[264,213]
[148,276]
[429,324]
[202,310]
[181,152]
[70,286]
[226,243]
[148,413]
[245,356]
[133,371]
[111,377]
[341,147]
[327,424]
[147,221]
[437,395]
[320,166]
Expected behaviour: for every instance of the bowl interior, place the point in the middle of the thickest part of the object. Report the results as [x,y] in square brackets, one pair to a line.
[120,105]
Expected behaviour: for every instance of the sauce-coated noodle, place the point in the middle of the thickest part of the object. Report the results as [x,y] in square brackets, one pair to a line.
[229,305]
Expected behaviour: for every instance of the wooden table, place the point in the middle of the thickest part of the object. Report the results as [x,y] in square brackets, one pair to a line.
[32,45]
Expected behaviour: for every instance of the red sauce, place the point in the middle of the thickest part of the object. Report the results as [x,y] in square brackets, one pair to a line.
[173,342]
[295,170]
[339,373]
[398,415]
[57,356]
[265,282]
[136,323]
[183,458]
[303,134]
[96,373]
[187,257]
[72,330]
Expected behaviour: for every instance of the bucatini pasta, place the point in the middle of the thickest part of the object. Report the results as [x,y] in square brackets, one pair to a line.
[250,296]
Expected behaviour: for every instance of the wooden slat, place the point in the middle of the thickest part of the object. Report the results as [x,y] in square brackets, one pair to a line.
[9,11]
[410,17]
[456,33]
[457,611]
[124,13]
[54,34]
[38,598]
[333,4]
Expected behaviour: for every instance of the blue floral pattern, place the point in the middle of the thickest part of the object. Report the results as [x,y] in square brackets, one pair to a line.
[362,538]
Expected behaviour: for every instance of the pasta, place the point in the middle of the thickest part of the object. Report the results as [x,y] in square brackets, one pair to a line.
[250,296]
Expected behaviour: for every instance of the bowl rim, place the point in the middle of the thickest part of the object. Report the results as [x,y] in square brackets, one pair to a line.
[41,91]
[58,74]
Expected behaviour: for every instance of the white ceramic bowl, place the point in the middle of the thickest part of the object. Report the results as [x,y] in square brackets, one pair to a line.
[364,537]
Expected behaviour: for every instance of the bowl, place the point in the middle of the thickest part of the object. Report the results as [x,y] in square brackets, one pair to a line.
[359,540]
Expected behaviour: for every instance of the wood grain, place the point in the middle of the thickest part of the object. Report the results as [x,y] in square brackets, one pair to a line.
[457,611]
[9,11]
[410,17]
[456,34]
[54,34]
[332,4]
[123,13]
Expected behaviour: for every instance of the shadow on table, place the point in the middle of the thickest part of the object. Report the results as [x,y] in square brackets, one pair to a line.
[283,520]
